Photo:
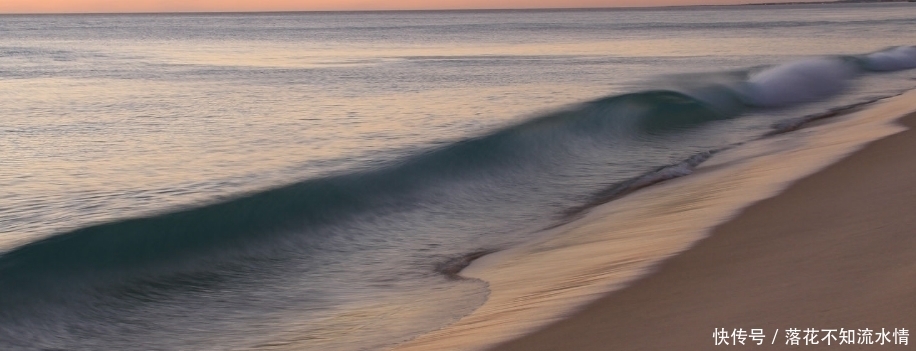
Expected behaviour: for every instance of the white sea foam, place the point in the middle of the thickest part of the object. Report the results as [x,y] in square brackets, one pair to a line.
[893,59]
[799,81]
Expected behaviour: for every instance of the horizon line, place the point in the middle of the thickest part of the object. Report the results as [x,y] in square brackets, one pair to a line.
[811,2]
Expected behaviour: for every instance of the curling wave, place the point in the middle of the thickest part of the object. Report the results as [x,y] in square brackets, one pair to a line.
[178,250]
[141,243]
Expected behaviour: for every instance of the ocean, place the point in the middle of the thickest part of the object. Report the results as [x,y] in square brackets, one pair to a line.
[314,181]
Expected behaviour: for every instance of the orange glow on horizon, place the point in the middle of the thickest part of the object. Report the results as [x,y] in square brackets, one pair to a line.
[116,6]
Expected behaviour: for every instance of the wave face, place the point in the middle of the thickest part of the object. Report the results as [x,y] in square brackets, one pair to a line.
[362,252]
[144,243]
[119,266]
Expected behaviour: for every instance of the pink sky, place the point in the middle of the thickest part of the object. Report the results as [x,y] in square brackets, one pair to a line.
[94,6]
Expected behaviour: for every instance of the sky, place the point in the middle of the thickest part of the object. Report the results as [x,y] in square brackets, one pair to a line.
[105,6]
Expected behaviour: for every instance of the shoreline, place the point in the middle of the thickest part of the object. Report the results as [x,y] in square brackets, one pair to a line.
[516,310]
[810,257]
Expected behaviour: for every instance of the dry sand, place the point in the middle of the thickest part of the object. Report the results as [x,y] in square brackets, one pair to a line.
[837,249]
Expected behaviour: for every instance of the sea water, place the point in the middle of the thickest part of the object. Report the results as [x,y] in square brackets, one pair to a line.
[312,180]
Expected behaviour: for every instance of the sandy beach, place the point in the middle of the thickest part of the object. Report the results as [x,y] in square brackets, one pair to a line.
[835,250]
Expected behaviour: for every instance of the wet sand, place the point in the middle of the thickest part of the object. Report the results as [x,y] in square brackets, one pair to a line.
[836,249]
[752,273]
